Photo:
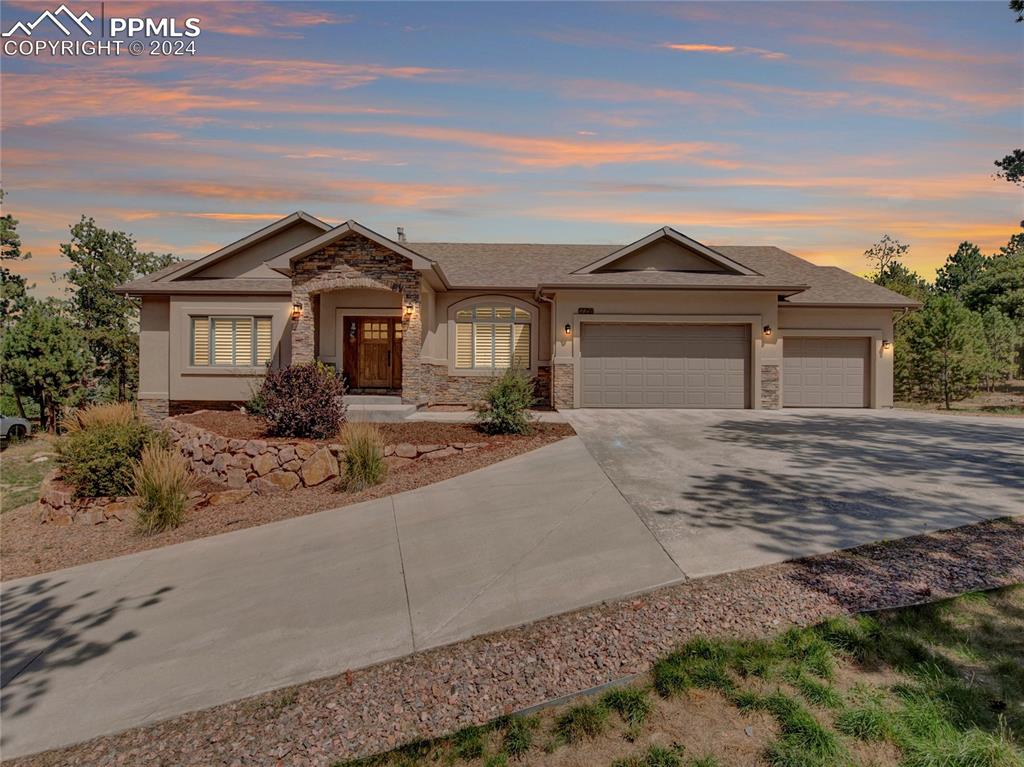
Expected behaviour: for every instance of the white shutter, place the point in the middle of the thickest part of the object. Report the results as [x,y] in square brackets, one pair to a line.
[200,340]
[463,345]
[264,348]
[502,346]
[223,340]
[243,341]
[483,343]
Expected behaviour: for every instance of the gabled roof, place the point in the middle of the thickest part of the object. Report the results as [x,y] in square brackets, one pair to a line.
[667,232]
[419,261]
[261,234]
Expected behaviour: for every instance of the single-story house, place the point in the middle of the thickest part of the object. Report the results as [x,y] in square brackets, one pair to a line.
[663,322]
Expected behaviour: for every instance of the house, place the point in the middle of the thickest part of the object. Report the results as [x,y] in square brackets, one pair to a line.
[663,322]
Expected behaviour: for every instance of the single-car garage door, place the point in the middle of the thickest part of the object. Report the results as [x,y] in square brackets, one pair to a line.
[825,372]
[641,365]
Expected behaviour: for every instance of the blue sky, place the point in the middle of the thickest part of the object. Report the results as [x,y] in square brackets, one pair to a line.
[815,127]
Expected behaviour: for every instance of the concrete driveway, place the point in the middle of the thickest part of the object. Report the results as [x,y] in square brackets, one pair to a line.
[723,490]
[105,646]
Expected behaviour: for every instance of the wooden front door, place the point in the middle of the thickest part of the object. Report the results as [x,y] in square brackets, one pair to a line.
[373,352]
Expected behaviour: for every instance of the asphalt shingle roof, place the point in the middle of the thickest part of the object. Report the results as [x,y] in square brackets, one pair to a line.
[529,265]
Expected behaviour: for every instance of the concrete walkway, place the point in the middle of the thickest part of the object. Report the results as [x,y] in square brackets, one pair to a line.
[106,646]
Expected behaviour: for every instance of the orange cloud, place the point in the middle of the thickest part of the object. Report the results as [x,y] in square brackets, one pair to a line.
[952,85]
[902,50]
[540,152]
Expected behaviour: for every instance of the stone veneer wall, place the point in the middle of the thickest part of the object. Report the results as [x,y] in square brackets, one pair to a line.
[356,262]
[154,410]
[440,387]
[562,385]
[770,399]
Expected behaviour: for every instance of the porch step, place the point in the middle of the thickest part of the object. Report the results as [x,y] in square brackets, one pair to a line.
[372,399]
[379,413]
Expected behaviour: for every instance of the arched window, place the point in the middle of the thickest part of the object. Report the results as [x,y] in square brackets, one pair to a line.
[492,335]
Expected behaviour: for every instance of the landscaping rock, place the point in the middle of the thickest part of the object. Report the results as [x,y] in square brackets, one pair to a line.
[241,461]
[405,450]
[389,450]
[276,482]
[236,478]
[293,465]
[220,463]
[427,448]
[286,454]
[264,463]
[319,467]
[228,496]
[305,450]
[119,510]
[443,453]
[255,446]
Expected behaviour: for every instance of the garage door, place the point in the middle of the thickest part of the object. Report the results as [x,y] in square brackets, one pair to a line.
[640,365]
[825,372]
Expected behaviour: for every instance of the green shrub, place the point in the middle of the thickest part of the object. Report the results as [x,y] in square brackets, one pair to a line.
[518,735]
[587,720]
[303,401]
[163,481]
[507,404]
[98,459]
[255,405]
[364,457]
[468,743]
[631,703]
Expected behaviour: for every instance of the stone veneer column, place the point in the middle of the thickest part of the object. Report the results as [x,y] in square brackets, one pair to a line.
[770,399]
[304,327]
[562,385]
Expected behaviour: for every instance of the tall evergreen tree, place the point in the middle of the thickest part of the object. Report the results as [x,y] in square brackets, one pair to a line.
[961,269]
[13,287]
[102,260]
[949,354]
[44,356]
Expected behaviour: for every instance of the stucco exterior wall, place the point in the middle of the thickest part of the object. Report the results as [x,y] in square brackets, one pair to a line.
[187,382]
[154,356]
[875,324]
[249,263]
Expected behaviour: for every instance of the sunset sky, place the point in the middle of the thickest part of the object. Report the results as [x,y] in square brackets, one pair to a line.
[814,127]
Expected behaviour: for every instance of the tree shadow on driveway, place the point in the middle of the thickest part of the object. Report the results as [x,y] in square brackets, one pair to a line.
[43,631]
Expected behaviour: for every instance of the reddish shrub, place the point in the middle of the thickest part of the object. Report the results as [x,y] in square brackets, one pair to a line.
[303,401]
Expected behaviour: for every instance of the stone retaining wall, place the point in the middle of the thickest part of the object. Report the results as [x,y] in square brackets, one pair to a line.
[58,505]
[272,466]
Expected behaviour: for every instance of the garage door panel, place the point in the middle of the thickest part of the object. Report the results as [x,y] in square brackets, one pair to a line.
[825,372]
[668,365]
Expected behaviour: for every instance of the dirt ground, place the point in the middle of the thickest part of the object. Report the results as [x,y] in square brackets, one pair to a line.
[1007,399]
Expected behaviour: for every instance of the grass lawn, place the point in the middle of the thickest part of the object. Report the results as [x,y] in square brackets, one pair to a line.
[941,685]
[22,467]
[1007,399]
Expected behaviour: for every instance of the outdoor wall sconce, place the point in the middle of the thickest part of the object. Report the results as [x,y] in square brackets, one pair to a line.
[767,330]
[568,329]
[296,311]
[408,310]
[887,344]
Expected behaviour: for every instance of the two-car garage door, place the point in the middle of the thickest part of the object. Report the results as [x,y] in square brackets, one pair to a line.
[652,365]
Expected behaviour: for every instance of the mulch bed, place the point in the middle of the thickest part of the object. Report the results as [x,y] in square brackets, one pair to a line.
[238,425]
[433,693]
[30,548]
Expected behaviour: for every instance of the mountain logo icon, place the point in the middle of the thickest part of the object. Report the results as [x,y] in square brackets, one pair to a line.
[55,16]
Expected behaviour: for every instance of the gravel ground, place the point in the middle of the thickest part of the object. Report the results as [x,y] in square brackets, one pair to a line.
[29,548]
[432,693]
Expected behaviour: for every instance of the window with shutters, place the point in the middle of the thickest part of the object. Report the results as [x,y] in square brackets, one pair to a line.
[489,336]
[231,341]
